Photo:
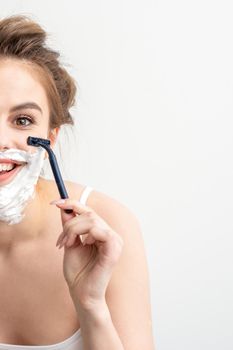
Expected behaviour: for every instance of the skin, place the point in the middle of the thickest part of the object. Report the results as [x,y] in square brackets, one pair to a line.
[106,274]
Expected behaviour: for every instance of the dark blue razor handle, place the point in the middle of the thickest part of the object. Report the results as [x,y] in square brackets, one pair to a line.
[57,176]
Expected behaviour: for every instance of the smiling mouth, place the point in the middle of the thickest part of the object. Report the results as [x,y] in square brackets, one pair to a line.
[9,167]
[3,171]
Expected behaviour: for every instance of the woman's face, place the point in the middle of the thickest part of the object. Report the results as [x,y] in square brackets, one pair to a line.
[24,108]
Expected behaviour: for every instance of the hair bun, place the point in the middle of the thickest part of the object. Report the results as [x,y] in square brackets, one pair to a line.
[17,32]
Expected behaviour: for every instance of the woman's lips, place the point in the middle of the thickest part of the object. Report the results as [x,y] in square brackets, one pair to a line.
[10,161]
[6,176]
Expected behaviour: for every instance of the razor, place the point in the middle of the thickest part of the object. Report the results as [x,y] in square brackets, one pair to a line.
[39,142]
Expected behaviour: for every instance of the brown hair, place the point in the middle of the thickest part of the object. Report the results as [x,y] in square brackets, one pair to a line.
[24,39]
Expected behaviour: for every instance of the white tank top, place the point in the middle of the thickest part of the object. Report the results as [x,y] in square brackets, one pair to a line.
[72,343]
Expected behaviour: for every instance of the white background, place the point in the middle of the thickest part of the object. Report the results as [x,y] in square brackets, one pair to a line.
[154,130]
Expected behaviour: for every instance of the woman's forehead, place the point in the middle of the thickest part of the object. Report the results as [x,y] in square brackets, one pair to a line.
[19,83]
[18,74]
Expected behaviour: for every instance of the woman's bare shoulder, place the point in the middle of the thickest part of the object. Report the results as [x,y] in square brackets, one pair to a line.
[112,210]
[102,203]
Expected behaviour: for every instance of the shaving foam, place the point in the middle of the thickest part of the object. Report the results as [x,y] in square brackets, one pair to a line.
[15,195]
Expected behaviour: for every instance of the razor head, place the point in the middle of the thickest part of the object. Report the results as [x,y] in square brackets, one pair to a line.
[36,141]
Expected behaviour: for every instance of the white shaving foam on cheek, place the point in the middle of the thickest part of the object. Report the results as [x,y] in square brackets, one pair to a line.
[15,195]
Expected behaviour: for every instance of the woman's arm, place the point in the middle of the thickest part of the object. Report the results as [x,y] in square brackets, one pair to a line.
[128,292]
[97,329]
[119,318]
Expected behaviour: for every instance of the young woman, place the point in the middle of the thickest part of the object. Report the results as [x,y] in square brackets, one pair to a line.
[68,281]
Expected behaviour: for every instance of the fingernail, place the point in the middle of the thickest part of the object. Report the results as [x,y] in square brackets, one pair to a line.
[58,201]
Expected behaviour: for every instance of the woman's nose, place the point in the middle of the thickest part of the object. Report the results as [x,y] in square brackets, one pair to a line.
[6,138]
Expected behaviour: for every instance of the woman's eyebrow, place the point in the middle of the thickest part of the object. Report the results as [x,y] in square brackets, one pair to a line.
[26,105]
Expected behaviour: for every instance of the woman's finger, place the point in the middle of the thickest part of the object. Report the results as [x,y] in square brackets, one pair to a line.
[86,223]
[60,238]
[77,228]
[73,204]
[76,207]
[67,226]
[93,234]
[73,228]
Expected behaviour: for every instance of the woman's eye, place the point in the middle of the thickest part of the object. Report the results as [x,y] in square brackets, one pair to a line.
[23,121]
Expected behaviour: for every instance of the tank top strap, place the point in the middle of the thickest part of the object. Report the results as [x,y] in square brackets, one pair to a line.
[84,196]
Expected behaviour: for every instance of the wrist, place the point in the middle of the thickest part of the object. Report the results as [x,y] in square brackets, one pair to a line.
[93,313]
[90,306]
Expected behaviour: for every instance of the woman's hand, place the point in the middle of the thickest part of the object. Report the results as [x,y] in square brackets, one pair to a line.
[87,265]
